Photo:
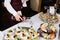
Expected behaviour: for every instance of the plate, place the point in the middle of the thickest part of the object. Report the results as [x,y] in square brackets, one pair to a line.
[47,31]
[21,33]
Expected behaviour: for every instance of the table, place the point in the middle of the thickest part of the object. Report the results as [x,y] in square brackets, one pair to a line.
[35,23]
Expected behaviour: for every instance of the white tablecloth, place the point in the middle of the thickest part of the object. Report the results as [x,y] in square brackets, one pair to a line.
[36,24]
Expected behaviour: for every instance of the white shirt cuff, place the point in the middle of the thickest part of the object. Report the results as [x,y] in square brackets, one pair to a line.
[19,12]
[24,5]
[14,14]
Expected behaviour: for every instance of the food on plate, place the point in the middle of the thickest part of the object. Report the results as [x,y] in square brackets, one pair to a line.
[43,27]
[31,29]
[15,35]
[52,35]
[28,38]
[7,36]
[44,35]
[22,33]
[19,29]
[48,31]
[50,18]
[10,31]
[53,28]
[35,35]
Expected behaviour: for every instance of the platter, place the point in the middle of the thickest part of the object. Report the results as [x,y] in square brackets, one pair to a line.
[21,33]
[36,22]
[49,18]
[47,31]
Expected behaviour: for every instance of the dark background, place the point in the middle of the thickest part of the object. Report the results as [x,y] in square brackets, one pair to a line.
[47,3]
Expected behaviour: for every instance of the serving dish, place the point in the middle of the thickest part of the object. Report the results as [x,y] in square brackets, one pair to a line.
[49,18]
[47,31]
[21,33]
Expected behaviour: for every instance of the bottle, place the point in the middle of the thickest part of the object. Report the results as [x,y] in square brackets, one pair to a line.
[52,10]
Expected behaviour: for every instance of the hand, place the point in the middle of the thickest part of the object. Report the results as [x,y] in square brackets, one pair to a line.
[23,18]
[18,17]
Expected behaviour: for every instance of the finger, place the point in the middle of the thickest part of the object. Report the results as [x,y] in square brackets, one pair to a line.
[18,20]
[24,18]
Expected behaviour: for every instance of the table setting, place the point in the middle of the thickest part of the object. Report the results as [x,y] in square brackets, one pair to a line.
[34,21]
[42,26]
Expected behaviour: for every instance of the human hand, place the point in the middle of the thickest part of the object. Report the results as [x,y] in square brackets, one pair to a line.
[23,17]
[18,17]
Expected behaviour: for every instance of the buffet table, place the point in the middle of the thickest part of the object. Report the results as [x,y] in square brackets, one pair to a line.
[35,22]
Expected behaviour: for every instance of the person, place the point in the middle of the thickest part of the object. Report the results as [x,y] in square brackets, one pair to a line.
[18,8]
[15,9]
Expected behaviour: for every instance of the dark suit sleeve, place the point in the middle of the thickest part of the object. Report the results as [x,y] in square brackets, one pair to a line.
[1,1]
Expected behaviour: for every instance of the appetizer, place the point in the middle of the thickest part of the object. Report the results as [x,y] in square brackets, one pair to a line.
[47,31]
[22,33]
[49,18]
